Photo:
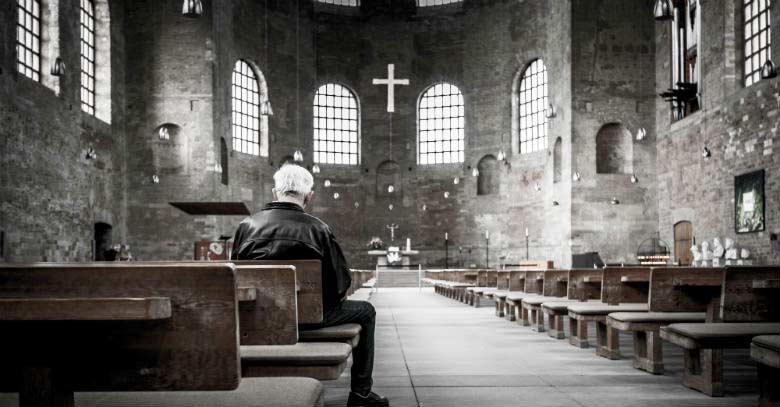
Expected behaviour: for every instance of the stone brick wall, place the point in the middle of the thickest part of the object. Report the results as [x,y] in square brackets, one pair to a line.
[738,124]
[51,195]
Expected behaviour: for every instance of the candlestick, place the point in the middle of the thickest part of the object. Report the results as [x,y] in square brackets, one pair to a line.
[526,232]
[408,244]
[487,234]
[446,236]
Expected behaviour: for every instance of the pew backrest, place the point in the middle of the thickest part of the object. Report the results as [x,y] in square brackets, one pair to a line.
[585,284]
[750,294]
[309,277]
[268,315]
[625,285]
[55,316]
[556,283]
[517,280]
[502,279]
[534,282]
[685,289]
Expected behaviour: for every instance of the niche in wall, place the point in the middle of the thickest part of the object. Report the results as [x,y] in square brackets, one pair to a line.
[103,239]
[487,181]
[557,165]
[614,150]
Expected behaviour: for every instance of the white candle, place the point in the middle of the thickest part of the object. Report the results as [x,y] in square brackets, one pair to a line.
[408,244]
[526,232]
[446,236]
[487,234]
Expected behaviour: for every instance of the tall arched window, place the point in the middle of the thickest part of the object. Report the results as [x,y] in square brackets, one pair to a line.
[336,126]
[533,100]
[441,129]
[758,38]
[249,127]
[28,38]
[88,56]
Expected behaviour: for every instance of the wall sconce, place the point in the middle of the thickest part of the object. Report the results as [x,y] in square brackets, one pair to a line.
[192,8]
[706,153]
[390,189]
[768,71]
[91,154]
[58,68]
[357,205]
[298,156]
[576,177]
[446,195]
[501,156]
[155,179]
[390,207]
[424,208]
[266,109]
[538,187]
[456,180]
[475,173]
[551,112]
[663,10]
[326,183]
[634,179]
[336,195]
[641,134]
[315,169]
[614,201]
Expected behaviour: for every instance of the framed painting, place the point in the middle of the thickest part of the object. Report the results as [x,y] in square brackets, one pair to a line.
[749,202]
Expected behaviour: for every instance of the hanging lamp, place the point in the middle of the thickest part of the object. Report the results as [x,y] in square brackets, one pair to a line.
[768,70]
[663,10]
[58,68]
[192,8]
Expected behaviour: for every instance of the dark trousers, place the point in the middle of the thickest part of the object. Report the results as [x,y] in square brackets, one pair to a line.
[363,313]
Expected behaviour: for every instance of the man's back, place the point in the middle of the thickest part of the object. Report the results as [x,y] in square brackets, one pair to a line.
[283,231]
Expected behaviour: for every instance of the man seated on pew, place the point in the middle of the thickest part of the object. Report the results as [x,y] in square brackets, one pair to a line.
[283,231]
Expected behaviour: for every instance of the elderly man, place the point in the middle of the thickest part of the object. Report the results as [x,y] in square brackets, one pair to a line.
[283,231]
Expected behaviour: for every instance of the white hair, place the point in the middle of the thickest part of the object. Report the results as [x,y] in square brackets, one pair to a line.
[293,180]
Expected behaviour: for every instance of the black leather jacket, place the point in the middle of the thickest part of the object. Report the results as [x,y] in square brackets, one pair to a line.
[283,231]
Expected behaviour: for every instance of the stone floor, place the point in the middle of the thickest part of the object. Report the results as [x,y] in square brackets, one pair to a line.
[434,351]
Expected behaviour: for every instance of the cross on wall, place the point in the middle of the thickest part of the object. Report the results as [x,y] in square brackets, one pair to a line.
[391,82]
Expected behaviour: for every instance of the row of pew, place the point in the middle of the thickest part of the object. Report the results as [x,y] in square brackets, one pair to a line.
[701,310]
[168,333]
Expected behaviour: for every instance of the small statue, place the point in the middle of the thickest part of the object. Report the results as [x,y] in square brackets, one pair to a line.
[717,248]
[706,253]
[696,254]
[731,251]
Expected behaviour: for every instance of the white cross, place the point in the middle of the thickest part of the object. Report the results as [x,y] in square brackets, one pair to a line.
[391,82]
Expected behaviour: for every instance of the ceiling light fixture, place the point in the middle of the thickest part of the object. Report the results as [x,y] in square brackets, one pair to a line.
[663,10]
[192,8]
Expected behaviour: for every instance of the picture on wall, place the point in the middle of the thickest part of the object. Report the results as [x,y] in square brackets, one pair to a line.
[749,202]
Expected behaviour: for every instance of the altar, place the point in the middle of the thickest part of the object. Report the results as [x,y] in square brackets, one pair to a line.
[393,258]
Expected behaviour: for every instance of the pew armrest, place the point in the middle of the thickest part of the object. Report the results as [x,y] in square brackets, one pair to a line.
[85,309]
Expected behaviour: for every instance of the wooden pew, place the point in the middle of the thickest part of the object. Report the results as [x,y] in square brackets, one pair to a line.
[487,283]
[668,303]
[502,290]
[582,285]
[127,327]
[515,295]
[554,288]
[309,277]
[748,306]
[765,351]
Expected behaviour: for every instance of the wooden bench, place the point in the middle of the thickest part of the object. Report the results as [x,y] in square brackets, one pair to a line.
[668,304]
[515,293]
[532,286]
[765,350]
[582,285]
[616,296]
[129,327]
[748,306]
[554,288]
[487,281]
[502,290]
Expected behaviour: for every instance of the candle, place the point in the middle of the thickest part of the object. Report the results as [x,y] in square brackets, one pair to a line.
[408,244]
[487,234]
[526,232]
[446,236]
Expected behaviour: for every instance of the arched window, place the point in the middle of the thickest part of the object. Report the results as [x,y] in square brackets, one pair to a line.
[758,38]
[614,150]
[487,182]
[336,126]
[441,129]
[532,109]
[88,56]
[557,165]
[249,127]
[28,38]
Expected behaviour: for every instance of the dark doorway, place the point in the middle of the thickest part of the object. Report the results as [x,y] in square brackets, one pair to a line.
[102,241]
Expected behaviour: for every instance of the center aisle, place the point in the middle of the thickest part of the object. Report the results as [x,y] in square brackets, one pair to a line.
[432,351]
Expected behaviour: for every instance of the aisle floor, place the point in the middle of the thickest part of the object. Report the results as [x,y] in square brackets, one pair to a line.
[434,351]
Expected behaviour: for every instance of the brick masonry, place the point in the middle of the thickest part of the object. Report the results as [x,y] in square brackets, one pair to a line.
[606,61]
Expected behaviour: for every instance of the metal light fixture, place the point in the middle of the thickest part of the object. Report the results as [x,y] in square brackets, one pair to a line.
[298,156]
[538,187]
[614,201]
[641,134]
[91,154]
[390,189]
[315,169]
[768,71]
[58,67]
[336,195]
[390,207]
[501,155]
[475,172]
[446,195]
[266,109]
[634,179]
[357,205]
[456,180]
[327,183]
[551,111]
[192,8]
[663,10]
[424,208]
[576,177]
[155,179]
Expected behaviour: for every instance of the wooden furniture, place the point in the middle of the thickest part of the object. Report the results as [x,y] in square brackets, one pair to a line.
[554,288]
[582,286]
[765,350]
[309,277]
[742,313]
[515,294]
